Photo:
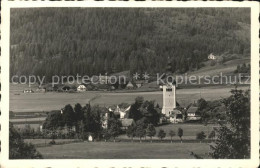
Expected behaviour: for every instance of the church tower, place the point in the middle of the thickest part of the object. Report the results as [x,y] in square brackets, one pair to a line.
[169,92]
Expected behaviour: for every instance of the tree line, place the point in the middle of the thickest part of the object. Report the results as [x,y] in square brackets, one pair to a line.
[90,41]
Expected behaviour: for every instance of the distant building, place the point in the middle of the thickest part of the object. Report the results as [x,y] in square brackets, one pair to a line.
[130,85]
[28,91]
[127,123]
[40,90]
[169,98]
[121,111]
[81,88]
[140,83]
[193,114]
[106,116]
[219,59]
[176,116]
[212,57]
[65,88]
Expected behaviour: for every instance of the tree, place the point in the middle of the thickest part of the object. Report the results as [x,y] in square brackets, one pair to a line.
[150,131]
[18,149]
[79,115]
[106,134]
[161,134]
[53,121]
[233,141]
[140,129]
[68,116]
[212,134]
[203,108]
[200,136]
[131,131]
[54,52]
[78,112]
[172,134]
[147,109]
[92,120]
[114,128]
[180,133]
[202,104]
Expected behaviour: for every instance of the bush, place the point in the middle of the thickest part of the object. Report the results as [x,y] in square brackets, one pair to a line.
[161,134]
[52,142]
[201,135]
[18,149]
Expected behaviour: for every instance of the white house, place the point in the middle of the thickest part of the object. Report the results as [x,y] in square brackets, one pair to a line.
[81,88]
[122,111]
[212,57]
[28,91]
[193,114]
[176,116]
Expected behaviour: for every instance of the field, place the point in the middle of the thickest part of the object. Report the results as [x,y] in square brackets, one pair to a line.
[38,102]
[46,141]
[189,131]
[124,150]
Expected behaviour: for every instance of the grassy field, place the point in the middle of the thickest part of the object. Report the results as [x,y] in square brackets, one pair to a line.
[189,131]
[35,102]
[226,68]
[43,141]
[124,150]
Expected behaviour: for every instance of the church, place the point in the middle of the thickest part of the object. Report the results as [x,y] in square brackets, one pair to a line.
[169,97]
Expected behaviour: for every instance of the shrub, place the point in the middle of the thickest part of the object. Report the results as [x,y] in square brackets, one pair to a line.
[201,135]
[52,142]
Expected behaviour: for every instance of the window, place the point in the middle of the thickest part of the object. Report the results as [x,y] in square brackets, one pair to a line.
[168,89]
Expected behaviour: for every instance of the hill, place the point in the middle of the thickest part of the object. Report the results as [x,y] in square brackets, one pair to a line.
[87,41]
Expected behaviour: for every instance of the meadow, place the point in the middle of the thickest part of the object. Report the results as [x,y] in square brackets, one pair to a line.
[190,131]
[40,102]
[124,150]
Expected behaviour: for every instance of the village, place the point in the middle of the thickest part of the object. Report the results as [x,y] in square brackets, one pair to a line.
[118,120]
[128,83]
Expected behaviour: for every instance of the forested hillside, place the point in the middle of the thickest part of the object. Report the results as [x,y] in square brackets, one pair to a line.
[63,41]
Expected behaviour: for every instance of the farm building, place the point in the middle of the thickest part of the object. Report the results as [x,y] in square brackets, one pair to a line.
[219,59]
[212,57]
[121,111]
[130,85]
[50,87]
[140,83]
[40,90]
[65,88]
[176,116]
[81,88]
[193,114]
[28,91]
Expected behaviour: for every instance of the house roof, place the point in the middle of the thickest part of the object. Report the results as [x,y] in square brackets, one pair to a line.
[82,85]
[177,111]
[140,81]
[130,84]
[192,109]
[127,122]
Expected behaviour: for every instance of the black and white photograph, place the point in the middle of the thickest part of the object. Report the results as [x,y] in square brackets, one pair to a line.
[140,82]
